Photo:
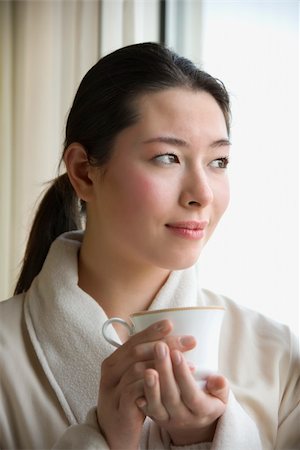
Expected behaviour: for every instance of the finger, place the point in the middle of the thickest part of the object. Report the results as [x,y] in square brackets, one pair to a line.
[182,343]
[137,348]
[170,395]
[134,350]
[152,405]
[198,401]
[128,395]
[135,372]
[218,386]
[188,387]
[121,395]
[145,351]
[154,332]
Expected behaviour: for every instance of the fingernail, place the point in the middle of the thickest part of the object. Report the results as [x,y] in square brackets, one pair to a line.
[161,350]
[150,380]
[186,341]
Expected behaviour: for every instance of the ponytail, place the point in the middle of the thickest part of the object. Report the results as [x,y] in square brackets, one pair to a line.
[58,212]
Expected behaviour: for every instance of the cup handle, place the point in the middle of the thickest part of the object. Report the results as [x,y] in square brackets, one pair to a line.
[108,322]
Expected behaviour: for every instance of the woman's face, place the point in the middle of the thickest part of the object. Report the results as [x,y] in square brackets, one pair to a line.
[165,187]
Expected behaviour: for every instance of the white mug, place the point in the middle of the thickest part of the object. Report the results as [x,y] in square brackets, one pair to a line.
[202,322]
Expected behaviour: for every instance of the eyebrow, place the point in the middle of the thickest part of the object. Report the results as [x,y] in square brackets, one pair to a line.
[220,143]
[182,143]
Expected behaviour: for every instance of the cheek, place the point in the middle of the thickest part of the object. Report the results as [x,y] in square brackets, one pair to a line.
[143,194]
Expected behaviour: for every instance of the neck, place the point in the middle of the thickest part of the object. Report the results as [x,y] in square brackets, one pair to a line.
[120,287]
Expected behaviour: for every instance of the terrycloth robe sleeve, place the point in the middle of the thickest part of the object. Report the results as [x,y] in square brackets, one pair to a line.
[235,431]
[85,436]
[288,433]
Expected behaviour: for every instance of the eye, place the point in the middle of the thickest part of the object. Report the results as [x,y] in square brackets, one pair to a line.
[167,158]
[220,163]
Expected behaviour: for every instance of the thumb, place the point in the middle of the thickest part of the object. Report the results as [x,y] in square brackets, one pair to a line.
[218,386]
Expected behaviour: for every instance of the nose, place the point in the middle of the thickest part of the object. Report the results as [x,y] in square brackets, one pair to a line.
[197,190]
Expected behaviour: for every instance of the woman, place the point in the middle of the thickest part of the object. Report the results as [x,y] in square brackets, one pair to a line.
[146,150]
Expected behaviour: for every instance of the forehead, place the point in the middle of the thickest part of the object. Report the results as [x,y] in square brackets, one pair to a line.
[185,112]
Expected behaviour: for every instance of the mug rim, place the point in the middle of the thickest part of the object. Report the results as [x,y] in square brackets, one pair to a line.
[183,308]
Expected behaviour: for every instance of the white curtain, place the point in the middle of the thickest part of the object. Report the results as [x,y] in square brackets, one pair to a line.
[125,22]
[45,48]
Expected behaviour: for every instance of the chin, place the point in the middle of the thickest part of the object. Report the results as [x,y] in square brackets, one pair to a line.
[182,266]
[181,262]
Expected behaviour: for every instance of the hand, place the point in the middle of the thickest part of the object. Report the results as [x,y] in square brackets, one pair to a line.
[176,403]
[122,384]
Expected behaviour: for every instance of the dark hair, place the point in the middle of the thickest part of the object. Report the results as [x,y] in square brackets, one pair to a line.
[103,106]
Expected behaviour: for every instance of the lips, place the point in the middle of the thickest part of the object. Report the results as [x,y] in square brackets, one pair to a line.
[189,225]
[188,229]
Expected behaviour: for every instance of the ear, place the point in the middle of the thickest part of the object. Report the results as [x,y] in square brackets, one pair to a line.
[79,170]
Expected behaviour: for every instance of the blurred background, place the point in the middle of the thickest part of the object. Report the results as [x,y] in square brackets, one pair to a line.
[252,46]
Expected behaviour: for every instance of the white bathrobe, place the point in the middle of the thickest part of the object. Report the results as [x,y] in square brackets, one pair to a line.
[52,350]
